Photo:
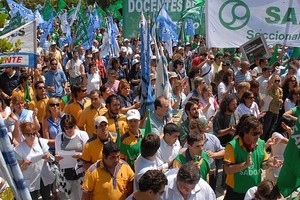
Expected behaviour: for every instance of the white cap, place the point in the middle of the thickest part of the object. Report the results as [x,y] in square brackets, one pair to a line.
[123,49]
[135,61]
[133,114]
[172,75]
[53,43]
[98,120]
[153,57]
[95,50]
[136,56]
[126,40]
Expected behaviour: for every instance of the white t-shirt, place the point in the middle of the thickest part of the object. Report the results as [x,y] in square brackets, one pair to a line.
[257,71]
[288,104]
[167,153]
[93,82]
[209,71]
[242,109]
[263,83]
[38,168]
[202,190]
[278,150]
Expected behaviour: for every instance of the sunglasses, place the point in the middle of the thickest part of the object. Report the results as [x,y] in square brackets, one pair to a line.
[54,104]
[29,134]
[83,90]
[40,88]
[69,127]
[250,97]
[277,81]
[256,133]
[54,64]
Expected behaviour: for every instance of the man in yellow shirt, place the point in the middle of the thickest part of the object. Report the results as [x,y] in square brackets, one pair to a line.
[93,148]
[110,178]
[21,91]
[86,120]
[78,103]
[116,121]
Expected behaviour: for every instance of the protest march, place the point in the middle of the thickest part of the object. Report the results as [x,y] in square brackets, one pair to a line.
[150,99]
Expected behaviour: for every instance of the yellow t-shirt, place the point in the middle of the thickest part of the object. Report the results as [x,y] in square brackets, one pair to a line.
[100,183]
[123,126]
[20,91]
[75,109]
[86,120]
[41,106]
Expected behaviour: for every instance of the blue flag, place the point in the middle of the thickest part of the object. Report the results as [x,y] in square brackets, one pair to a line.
[47,27]
[190,27]
[147,94]
[166,32]
[24,12]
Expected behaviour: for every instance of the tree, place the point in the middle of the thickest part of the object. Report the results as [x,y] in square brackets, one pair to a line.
[7,47]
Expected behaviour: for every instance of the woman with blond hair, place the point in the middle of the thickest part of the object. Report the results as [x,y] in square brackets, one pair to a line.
[51,123]
[177,96]
[33,156]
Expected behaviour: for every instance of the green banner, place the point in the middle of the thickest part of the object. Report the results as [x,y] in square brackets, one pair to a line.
[132,10]
[81,29]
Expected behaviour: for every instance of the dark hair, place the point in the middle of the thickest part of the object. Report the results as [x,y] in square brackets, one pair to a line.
[238,127]
[76,88]
[295,91]
[245,95]
[3,104]
[246,125]
[227,99]
[149,145]
[110,147]
[111,98]
[254,84]
[194,137]
[157,102]
[92,64]
[225,76]
[188,173]
[171,128]
[262,59]
[114,62]
[268,190]
[103,89]
[285,85]
[197,124]
[152,180]
[52,59]
[289,122]
[67,120]
[95,91]
[36,84]
[23,77]
[189,104]
[176,62]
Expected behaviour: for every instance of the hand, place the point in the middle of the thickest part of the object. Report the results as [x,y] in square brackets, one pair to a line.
[77,155]
[58,158]
[262,114]
[274,162]
[25,164]
[136,105]
[46,156]
[210,153]
[271,141]
[286,127]
[5,96]
[249,160]
[51,88]
[35,111]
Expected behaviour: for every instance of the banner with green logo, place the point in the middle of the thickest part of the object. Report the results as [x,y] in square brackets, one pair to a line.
[231,23]
[132,10]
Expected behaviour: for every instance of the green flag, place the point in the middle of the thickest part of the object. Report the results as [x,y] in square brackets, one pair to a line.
[295,53]
[289,177]
[148,128]
[48,10]
[61,4]
[27,93]
[81,31]
[273,59]
[15,22]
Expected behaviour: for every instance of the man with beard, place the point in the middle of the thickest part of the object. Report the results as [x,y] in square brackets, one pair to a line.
[116,121]
[224,124]
[55,80]
[192,110]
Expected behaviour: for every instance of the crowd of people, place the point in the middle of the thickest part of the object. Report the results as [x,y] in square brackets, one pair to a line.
[78,133]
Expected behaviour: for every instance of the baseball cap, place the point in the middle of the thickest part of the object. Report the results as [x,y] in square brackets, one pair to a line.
[95,50]
[126,40]
[133,114]
[98,120]
[136,56]
[196,61]
[135,61]
[152,76]
[123,49]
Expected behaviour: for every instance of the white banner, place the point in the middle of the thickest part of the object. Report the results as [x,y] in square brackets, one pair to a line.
[27,54]
[231,23]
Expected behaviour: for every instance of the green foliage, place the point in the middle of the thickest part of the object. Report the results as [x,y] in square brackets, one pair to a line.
[3,18]
[6,47]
